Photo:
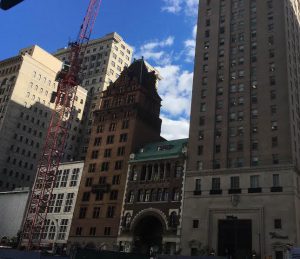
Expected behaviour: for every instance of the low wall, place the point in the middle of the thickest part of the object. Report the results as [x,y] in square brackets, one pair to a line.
[16,254]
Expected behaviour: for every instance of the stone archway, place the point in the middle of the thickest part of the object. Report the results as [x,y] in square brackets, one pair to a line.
[148,234]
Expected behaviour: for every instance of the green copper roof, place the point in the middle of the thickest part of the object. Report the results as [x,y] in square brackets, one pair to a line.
[160,150]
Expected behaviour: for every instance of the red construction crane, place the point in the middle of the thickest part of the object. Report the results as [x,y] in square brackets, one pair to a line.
[68,80]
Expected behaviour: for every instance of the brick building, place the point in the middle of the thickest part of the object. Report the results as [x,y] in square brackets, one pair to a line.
[128,118]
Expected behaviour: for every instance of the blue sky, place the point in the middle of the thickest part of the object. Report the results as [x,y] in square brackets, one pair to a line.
[163,31]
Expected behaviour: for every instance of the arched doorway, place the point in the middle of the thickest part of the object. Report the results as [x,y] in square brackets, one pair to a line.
[148,234]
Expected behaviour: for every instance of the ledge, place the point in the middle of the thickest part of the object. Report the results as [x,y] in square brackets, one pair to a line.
[234,191]
[213,192]
[197,192]
[276,189]
[254,190]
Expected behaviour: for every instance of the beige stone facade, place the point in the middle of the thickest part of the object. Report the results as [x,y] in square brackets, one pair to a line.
[102,63]
[62,205]
[272,208]
[26,84]
[241,195]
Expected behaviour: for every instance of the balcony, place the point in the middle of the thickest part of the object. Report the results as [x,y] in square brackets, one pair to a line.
[216,191]
[234,191]
[197,192]
[276,189]
[254,190]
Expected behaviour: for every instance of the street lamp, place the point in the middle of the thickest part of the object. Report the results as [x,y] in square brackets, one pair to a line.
[7,4]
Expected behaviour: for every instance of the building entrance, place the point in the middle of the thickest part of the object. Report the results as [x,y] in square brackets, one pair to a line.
[235,238]
[148,235]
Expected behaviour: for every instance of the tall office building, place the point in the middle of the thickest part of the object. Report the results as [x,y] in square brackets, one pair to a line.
[128,118]
[102,63]
[26,84]
[242,185]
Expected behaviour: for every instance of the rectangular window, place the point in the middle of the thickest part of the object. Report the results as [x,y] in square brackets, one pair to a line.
[274,141]
[74,177]
[198,185]
[78,231]
[254,181]
[107,152]
[94,154]
[234,182]
[51,203]
[58,203]
[96,212]
[276,182]
[110,139]
[92,168]
[104,166]
[64,178]
[277,224]
[123,137]
[69,202]
[110,212]
[195,223]
[114,195]
[215,184]
[118,165]
[82,212]
[92,231]
[112,127]
[97,141]
[125,124]
[86,196]
[107,231]
[275,159]
[63,229]
[88,182]
[116,180]
[121,151]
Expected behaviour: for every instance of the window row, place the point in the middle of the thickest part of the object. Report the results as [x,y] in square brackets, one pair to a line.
[235,186]
[153,195]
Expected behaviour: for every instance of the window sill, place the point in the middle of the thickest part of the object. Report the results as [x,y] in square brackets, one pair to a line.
[197,192]
[254,190]
[234,191]
[276,189]
[214,192]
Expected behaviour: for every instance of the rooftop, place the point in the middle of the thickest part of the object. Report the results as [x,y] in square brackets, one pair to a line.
[160,150]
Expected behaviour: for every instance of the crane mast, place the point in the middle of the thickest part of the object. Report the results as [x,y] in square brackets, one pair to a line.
[68,79]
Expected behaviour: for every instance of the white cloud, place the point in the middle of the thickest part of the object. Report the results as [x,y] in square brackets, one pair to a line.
[175,129]
[190,45]
[175,90]
[155,50]
[172,6]
[189,7]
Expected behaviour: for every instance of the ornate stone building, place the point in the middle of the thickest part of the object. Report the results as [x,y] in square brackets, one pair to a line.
[128,118]
[152,206]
